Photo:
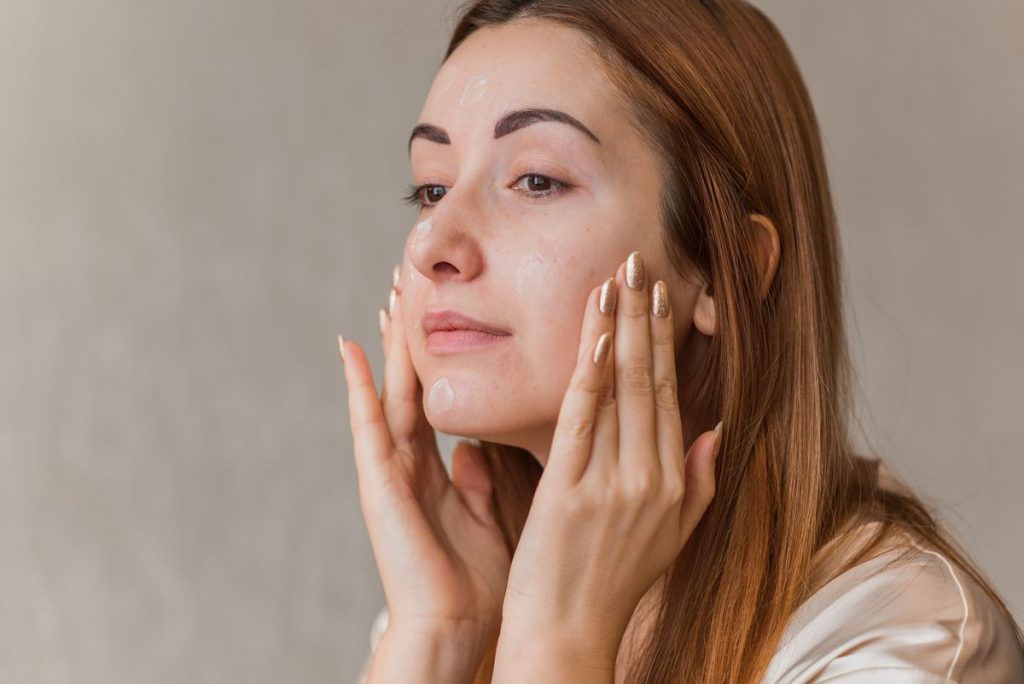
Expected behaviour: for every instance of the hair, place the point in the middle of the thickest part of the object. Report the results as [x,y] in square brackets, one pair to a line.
[714,91]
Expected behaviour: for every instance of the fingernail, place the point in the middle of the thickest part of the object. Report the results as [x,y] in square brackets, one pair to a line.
[341,347]
[718,440]
[634,271]
[607,302]
[396,276]
[659,300]
[601,350]
[382,320]
[391,302]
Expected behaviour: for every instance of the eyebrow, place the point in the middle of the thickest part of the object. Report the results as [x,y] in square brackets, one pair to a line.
[508,123]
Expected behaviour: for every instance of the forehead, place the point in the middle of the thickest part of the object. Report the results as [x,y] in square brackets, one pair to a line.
[527,62]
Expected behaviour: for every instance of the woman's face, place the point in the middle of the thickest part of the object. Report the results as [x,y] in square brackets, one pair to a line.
[522,220]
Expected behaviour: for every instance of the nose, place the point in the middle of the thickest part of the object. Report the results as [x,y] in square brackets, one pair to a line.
[442,247]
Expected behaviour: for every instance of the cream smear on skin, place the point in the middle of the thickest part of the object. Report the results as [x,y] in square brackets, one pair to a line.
[423,227]
[441,397]
[474,90]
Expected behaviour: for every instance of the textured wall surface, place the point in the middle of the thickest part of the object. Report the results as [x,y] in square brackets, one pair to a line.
[196,196]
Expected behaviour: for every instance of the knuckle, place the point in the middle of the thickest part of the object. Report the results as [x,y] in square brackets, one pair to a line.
[674,489]
[662,335]
[665,395]
[637,377]
[588,383]
[634,307]
[606,396]
[580,429]
[640,486]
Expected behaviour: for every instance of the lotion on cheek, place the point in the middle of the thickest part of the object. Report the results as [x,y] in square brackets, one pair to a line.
[441,397]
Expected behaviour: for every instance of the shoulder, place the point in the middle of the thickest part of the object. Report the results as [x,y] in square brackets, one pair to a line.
[907,615]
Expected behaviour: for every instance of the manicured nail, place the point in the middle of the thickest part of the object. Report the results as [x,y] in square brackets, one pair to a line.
[391,302]
[718,439]
[396,277]
[659,300]
[382,320]
[607,302]
[341,347]
[634,271]
[601,350]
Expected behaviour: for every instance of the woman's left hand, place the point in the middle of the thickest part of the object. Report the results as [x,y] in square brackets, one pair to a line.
[617,500]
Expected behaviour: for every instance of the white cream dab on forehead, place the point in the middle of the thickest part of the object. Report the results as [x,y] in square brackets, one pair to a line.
[474,90]
[441,397]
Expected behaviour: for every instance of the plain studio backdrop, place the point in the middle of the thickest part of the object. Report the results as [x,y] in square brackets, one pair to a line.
[196,196]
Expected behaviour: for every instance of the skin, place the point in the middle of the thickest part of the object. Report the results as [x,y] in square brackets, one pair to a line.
[532,266]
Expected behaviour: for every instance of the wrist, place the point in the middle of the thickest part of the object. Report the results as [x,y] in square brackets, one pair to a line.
[543,653]
[428,653]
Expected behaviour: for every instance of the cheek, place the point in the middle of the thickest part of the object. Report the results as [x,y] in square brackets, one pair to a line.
[554,297]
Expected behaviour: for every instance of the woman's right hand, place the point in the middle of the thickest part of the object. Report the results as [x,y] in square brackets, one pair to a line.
[442,558]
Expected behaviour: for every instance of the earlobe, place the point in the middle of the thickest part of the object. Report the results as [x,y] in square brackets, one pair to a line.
[704,312]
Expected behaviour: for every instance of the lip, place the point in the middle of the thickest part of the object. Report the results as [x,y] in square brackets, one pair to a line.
[448,330]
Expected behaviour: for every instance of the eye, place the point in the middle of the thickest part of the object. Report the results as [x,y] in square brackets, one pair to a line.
[549,187]
[415,195]
[553,187]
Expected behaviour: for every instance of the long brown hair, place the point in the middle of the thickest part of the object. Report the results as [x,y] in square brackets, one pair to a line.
[714,90]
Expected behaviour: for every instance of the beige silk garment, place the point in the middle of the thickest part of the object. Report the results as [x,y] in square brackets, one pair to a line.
[919,620]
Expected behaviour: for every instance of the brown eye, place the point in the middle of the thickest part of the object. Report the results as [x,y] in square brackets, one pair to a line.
[535,181]
[433,193]
[538,186]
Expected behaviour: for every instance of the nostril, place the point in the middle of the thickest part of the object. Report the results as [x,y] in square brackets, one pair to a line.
[445,267]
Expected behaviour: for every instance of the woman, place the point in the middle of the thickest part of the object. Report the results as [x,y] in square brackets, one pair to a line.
[625,237]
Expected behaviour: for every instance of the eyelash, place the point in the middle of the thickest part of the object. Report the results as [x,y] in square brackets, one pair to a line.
[413,198]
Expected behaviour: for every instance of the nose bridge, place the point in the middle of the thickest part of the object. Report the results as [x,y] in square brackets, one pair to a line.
[445,243]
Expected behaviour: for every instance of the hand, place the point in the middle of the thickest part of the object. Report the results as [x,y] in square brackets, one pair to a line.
[617,500]
[442,558]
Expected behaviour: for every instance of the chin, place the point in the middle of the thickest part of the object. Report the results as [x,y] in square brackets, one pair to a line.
[492,406]
[490,427]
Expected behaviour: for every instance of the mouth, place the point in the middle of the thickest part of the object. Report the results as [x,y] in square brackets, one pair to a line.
[450,331]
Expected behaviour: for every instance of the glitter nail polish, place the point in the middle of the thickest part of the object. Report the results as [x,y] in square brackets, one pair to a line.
[606,304]
[601,350]
[634,271]
[659,300]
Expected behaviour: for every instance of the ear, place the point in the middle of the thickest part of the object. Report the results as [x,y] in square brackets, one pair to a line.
[766,240]
[704,311]
[766,237]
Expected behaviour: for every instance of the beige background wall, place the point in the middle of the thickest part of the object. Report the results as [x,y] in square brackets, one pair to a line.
[197,195]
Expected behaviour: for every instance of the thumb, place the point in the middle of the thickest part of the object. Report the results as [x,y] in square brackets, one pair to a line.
[472,479]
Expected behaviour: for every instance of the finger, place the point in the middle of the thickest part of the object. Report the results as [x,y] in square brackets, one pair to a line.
[604,448]
[634,378]
[668,423]
[401,396]
[370,434]
[700,482]
[382,324]
[571,444]
[384,317]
